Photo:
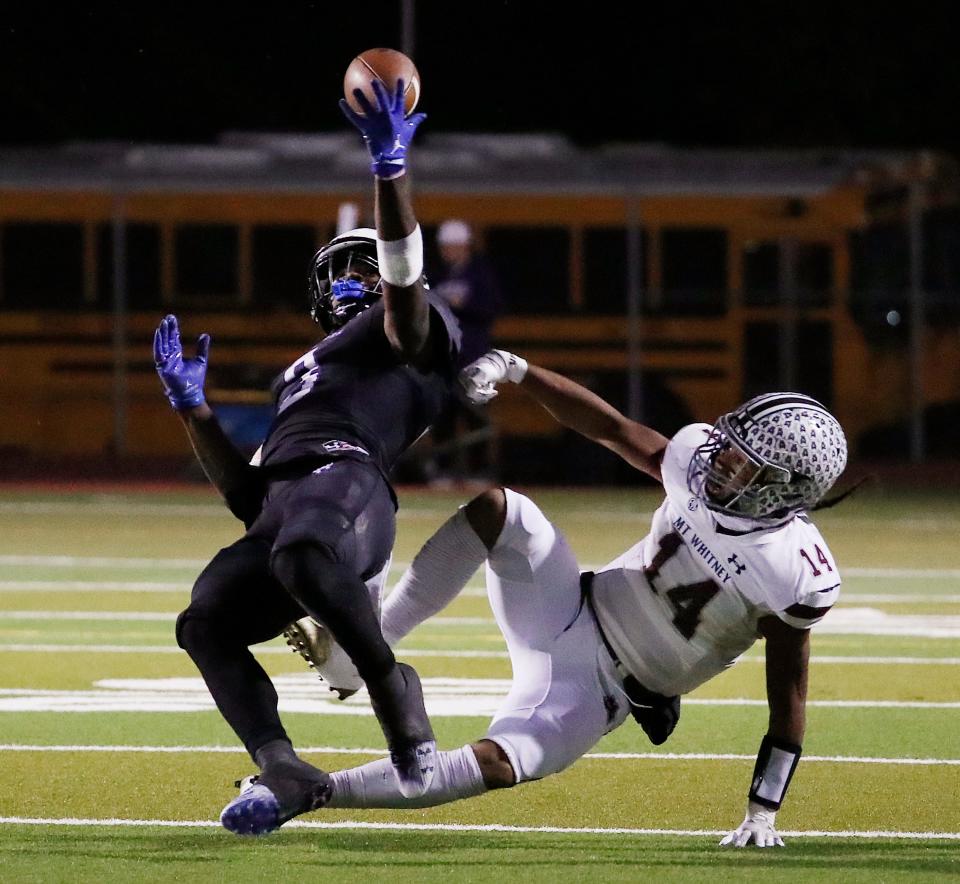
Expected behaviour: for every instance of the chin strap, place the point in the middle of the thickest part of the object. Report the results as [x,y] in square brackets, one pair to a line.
[833,501]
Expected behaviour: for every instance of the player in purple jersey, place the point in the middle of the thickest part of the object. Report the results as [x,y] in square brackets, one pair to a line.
[319,510]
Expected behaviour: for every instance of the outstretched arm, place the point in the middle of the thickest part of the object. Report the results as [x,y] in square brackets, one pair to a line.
[576,407]
[406,316]
[787,658]
[388,133]
[238,483]
[571,404]
[183,380]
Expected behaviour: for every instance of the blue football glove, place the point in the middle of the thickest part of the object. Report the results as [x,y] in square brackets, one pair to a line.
[385,131]
[182,379]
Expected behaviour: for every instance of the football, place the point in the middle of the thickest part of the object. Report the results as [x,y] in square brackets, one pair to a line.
[386,65]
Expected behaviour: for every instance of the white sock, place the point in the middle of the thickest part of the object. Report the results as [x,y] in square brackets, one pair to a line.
[436,575]
[375,784]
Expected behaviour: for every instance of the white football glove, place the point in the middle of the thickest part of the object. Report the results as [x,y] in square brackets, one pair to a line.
[757,827]
[480,378]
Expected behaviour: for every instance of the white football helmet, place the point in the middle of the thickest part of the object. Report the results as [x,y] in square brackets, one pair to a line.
[796,448]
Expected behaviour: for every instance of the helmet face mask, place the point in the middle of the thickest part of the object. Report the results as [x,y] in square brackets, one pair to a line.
[344,279]
[777,454]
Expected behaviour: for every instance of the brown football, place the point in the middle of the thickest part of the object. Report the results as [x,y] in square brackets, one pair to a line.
[386,65]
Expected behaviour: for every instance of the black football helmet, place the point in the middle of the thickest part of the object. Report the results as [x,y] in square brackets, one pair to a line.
[334,298]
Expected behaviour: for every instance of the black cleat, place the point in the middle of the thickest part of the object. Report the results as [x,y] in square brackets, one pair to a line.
[270,799]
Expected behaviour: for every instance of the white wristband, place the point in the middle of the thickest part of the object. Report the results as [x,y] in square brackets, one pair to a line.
[515,367]
[401,260]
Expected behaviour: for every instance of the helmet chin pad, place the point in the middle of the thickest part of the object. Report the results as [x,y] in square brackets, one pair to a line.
[344,290]
[347,298]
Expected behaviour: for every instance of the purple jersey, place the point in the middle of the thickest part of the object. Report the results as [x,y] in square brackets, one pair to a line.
[352,389]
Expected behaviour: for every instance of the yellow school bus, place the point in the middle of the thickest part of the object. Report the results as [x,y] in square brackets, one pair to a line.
[703,276]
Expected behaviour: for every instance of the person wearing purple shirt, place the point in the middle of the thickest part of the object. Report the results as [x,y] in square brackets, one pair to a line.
[468,285]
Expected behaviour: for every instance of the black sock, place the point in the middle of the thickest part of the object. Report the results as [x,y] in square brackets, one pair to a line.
[273,752]
[238,684]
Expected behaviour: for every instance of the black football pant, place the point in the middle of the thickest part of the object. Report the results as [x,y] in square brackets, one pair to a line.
[317,539]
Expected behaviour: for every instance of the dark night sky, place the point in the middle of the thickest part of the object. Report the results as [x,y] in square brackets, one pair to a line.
[718,77]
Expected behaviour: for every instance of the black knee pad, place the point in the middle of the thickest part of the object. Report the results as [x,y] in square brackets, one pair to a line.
[198,627]
[186,616]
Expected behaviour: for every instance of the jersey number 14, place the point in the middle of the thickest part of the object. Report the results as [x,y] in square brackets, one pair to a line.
[688,600]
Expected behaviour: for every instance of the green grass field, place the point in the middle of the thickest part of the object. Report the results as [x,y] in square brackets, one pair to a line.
[115,765]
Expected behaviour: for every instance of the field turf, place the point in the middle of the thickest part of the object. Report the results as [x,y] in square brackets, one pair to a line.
[115,764]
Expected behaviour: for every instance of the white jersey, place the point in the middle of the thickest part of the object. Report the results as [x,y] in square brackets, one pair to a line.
[683,604]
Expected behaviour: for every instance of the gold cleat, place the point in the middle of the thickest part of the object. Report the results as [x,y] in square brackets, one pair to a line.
[313,642]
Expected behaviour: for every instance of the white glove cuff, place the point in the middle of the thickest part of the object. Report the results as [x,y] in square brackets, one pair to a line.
[516,369]
[401,260]
[758,813]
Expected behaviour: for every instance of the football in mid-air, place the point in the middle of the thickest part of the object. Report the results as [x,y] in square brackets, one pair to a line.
[386,65]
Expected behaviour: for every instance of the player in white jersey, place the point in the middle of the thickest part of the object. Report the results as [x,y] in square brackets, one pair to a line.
[682,605]
[731,557]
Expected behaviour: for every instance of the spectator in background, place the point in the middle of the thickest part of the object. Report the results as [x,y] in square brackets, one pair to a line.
[469,285]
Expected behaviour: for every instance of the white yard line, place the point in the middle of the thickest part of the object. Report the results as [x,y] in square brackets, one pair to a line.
[88,615]
[706,756]
[115,505]
[602,756]
[843,621]
[112,508]
[900,573]
[92,586]
[111,649]
[121,562]
[474,590]
[837,704]
[873,661]
[260,649]
[455,697]
[430,652]
[897,597]
[55,615]
[461,827]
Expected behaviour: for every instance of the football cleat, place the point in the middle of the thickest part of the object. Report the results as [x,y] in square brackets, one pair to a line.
[313,642]
[255,811]
[266,801]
